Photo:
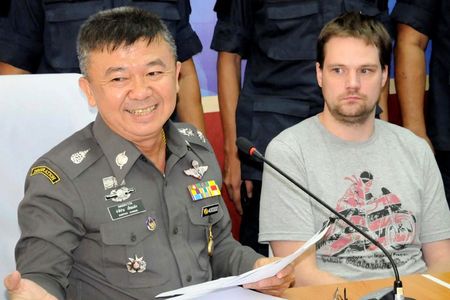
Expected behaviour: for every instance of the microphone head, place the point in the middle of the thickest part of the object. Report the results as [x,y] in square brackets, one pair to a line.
[245,145]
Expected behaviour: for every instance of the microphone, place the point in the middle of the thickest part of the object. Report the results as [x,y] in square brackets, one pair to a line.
[247,147]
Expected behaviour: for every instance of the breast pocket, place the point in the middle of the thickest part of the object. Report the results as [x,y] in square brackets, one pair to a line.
[63,21]
[199,227]
[288,30]
[167,10]
[127,240]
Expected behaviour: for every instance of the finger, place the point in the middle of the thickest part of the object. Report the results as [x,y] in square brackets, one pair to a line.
[237,203]
[249,188]
[11,281]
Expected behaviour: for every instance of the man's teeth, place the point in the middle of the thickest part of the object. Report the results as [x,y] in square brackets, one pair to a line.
[143,111]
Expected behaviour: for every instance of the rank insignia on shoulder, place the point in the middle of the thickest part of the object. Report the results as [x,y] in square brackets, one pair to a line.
[196,171]
[201,136]
[47,172]
[203,190]
[210,210]
[186,131]
[136,264]
[78,157]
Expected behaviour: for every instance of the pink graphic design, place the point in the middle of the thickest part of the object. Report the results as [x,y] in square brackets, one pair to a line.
[381,216]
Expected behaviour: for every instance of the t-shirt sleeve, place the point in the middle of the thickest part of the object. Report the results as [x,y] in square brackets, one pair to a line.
[286,211]
[435,225]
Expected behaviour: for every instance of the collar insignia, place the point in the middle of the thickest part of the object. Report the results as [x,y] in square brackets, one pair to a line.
[121,159]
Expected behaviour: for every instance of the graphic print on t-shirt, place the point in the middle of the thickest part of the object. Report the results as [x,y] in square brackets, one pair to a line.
[380,214]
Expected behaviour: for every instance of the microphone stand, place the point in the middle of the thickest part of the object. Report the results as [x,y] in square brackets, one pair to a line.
[397,293]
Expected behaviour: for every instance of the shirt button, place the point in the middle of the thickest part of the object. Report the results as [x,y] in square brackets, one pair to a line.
[175,230]
[189,278]
[133,237]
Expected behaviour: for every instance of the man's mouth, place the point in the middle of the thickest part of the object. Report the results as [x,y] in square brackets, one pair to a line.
[142,111]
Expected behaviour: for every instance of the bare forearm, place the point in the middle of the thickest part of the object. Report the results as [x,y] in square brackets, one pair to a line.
[384,102]
[410,75]
[7,69]
[189,106]
[315,277]
[229,76]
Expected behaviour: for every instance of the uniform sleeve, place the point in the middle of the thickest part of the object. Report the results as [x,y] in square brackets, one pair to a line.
[435,213]
[51,227]
[21,37]
[419,14]
[285,211]
[233,29]
[187,41]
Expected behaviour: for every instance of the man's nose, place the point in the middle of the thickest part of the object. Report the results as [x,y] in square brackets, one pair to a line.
[141,88]
[353,80]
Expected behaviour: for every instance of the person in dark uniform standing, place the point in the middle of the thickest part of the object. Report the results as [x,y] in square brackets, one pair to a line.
[129,206]
[43,33]
[278,40]
[417,23]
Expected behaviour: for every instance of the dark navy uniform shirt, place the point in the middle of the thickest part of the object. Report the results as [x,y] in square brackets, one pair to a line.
[99,221]
[43,33]
[432,18]
[278,39]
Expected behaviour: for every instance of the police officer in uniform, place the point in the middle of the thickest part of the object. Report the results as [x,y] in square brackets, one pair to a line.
[278,39]
[129,206]
[43,34]
[417,23]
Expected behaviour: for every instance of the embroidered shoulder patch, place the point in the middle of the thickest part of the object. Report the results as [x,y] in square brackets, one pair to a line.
[47,172]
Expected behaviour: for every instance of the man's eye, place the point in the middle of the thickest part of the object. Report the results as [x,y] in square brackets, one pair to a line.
[119,79]
[337,70]
[366,71]
[155,74]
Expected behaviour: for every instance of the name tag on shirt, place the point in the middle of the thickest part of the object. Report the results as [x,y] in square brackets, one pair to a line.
[127,209]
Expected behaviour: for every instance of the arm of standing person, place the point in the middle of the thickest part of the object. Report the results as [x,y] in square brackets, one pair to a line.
[306,270]
[384,103]
[410,75]
[229,86]
[189,106]
[7,69]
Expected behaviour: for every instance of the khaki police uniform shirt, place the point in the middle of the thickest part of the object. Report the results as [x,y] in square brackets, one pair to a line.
[99,221]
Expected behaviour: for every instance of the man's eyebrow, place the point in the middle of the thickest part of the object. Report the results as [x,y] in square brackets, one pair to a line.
[114,69]
[156,62]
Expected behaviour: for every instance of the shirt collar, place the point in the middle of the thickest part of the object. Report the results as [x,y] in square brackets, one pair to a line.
[121,154]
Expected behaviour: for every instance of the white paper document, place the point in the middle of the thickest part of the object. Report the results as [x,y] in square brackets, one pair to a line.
[266,271]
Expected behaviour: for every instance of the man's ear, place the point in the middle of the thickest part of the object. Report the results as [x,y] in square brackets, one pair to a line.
[384,75]
[85,86]
[319,74]
[177,75]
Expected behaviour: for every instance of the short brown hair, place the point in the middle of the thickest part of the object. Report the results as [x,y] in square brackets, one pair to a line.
[356,25]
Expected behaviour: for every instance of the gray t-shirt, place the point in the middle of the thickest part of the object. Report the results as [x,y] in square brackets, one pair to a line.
[389,186]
